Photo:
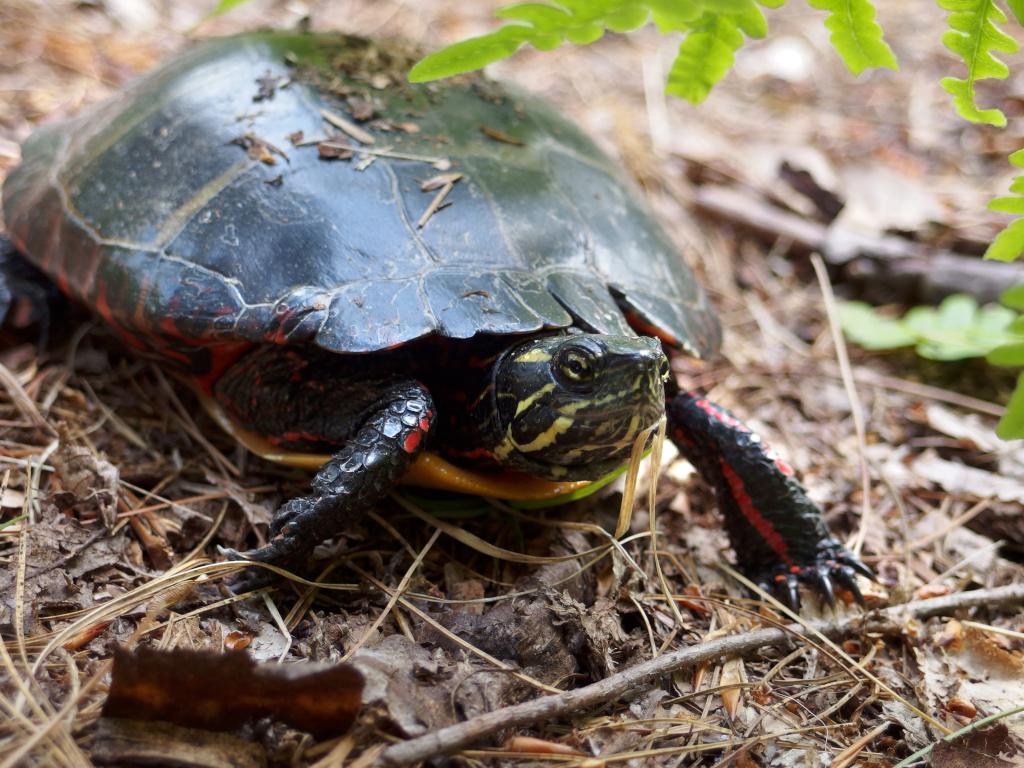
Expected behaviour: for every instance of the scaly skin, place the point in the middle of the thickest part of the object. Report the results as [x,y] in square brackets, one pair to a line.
[776,530]
[355,478]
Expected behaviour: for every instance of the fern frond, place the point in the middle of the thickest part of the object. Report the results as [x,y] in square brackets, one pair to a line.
[1017,7]
[714,30]
[974,35]
[544,25]
[856,36]
[704,57]
[1009,244]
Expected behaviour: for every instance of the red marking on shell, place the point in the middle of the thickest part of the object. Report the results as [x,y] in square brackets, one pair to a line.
[168,326]
[640,325]
[295,436]
[424,424]
[222,357]
[783,467]
[412,442]
[751,513]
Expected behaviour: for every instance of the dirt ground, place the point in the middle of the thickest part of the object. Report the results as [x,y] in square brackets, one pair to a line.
[116,489]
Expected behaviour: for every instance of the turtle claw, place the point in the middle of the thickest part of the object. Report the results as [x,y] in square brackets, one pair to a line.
[846,577]
[850,560]
[823,585]
[833,567]
[785,586]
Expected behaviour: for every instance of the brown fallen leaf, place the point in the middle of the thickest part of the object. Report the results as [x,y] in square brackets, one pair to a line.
[88,481]
[734,675]
[129,742]
[984,748]
[150,684]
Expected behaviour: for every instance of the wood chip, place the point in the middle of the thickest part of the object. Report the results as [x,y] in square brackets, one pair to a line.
[438,181]
[259,149]
[330,151]
[498,135]
[347,127]
[442,192]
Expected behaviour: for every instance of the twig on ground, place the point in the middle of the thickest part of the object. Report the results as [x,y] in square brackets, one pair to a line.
[891,621]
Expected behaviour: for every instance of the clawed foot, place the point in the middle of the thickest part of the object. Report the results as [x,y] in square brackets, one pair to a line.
[283,551]
[834,567]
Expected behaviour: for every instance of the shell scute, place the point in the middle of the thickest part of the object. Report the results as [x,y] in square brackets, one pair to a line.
[187,210]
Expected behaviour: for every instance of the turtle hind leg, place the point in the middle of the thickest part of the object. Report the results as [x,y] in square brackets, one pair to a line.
[777,531]
[27,297]
[383,447]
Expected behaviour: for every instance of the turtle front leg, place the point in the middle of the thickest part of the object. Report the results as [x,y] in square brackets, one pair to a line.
[778,533]
[360,474]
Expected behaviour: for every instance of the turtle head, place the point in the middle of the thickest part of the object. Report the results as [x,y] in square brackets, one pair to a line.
[571,407]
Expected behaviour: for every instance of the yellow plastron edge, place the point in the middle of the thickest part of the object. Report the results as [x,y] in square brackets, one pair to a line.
[428,471]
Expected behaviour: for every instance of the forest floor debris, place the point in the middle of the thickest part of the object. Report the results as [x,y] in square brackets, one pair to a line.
[448,636]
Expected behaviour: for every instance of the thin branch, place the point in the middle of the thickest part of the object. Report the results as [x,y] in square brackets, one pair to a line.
[891,621]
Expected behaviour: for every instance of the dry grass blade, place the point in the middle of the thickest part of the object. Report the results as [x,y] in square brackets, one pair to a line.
[830,647]
[393,598]
[856,409]
[347,127]
[471,540]
[408,605]
[21,400]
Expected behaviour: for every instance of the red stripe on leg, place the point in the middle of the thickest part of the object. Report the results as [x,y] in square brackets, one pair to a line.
[751,513]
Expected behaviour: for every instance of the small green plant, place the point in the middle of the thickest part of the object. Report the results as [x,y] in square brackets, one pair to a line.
[957,329]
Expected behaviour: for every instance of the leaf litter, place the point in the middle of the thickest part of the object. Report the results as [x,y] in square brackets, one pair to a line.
[468,633]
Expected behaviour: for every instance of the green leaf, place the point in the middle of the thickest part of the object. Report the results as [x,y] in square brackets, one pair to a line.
[1009,243]
[856,36]
[1013,298]
[704,57]
[471,54]
[1007,356]
[974,35]
[1011,426]
[862,325]
[1017,7]
[224,6]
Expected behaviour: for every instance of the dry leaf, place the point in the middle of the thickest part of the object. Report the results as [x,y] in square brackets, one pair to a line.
[150,684]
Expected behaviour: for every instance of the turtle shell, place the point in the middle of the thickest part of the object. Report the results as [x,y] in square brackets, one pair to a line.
[208,204]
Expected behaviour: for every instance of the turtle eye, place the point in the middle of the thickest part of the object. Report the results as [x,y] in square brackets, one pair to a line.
[576,365]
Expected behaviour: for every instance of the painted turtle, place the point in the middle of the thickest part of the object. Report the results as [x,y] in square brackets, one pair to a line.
[265,214]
